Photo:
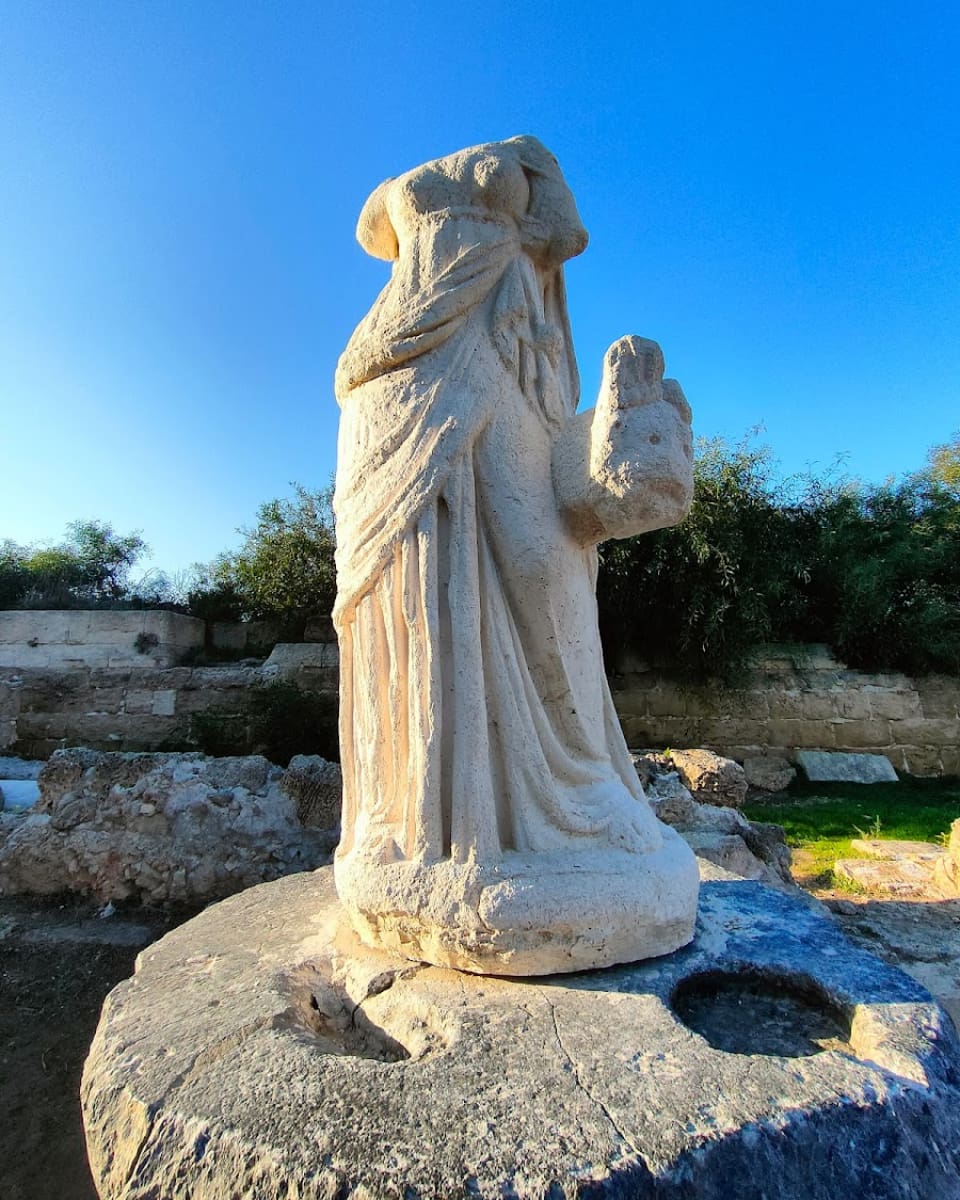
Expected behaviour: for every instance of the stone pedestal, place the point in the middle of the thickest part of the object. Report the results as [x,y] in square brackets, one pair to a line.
[530,914]
[260,1051]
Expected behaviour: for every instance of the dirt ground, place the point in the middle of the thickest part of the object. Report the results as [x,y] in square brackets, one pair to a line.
[59,959]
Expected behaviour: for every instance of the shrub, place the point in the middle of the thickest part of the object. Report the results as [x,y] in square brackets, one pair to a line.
[701,596]
[90,569]
[872,571]
[284,569]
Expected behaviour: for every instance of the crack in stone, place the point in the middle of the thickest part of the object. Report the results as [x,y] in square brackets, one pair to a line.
[578,1081]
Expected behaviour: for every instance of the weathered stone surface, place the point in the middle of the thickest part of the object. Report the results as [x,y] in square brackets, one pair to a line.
[317,787]
[752,849]
[711,778]
[947,869]
[821,766]
[925,852]
[768,773]
[260,1052]
[920,935]
[39,713]
[491,816]
[727,850]
[293,660]
[101,638]
[20,768]
[157,827]
[894,877]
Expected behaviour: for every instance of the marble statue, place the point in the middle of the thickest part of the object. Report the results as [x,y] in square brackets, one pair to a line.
[492,818]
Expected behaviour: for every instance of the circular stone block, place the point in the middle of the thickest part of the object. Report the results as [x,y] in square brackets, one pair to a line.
[261,1051]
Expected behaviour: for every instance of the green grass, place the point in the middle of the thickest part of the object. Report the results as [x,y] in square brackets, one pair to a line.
[822,819]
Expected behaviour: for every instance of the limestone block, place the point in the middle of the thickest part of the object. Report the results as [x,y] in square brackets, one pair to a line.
[939,696]
[822,767]
[784,734]
[901,878]
[785,705]
[260,1051]
[818,706]
[101,699]
[671,731]
[894,705]
[926,731]
[741,731]
[634,702]
[639,731]
[950,760]
[854,705]
[768,773]
[857,735]
[138,701]
[711,778]
[164,703]
[926,760]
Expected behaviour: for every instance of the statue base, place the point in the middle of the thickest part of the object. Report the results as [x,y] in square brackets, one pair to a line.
[261,1051]
[533,914]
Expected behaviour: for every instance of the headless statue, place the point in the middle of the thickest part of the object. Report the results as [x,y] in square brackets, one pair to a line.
[492,818]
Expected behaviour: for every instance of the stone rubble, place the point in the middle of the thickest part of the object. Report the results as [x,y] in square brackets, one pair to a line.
[721,835]
[711,778]
[768,773]
[317,787]
[158,828]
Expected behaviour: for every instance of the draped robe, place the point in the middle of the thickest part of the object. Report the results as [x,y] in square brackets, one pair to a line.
[475,715]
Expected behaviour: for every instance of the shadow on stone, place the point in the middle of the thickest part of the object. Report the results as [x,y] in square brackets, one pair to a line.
[754,1012]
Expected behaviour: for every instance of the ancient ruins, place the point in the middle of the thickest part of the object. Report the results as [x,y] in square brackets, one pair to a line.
[616,1026]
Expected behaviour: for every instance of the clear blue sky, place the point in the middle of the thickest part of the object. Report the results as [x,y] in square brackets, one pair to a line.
[772,191]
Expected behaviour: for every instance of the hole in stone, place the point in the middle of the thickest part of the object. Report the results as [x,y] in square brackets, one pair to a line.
[335,1022]
[753,1012]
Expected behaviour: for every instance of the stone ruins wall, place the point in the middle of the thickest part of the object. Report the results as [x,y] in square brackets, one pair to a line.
[785,707]
[140,708]
[102,638]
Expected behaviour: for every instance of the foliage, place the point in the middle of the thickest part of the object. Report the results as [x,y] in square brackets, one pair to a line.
[943,465]
[89,569]
[286,720]
[884,587]
[702,595]
[872,571]
[284,569]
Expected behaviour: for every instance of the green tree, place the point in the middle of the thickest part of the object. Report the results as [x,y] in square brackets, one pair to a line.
[884,589]
[90,568]
[943,465]
[285,567]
